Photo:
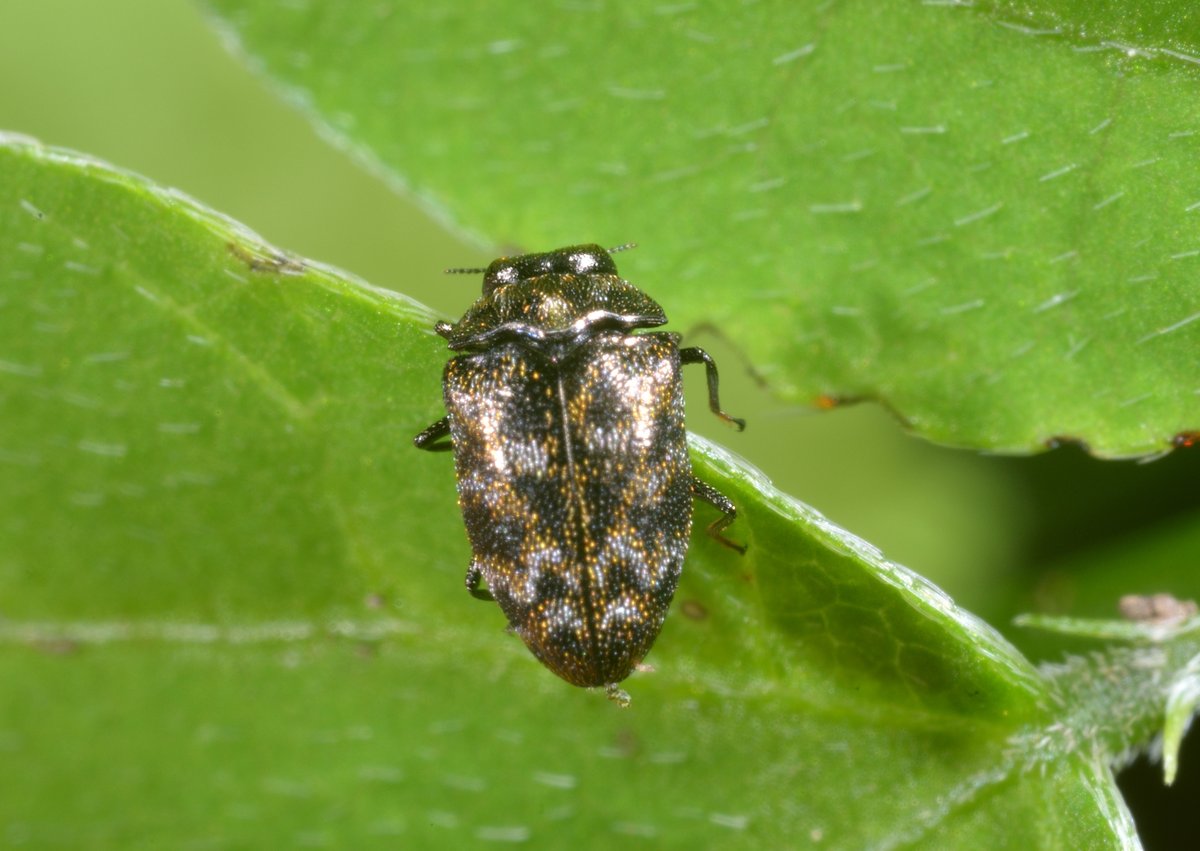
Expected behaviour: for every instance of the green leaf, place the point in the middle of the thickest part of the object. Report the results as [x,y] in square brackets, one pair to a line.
[1093,583]
[1154,687]
[1183,700]
[982,215]
[233,608]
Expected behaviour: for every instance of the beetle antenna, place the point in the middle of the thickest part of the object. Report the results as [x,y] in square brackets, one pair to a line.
[463,271]
[624,247]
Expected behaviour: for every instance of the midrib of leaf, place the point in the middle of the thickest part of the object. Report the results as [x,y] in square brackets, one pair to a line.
[289,405]
[232,635]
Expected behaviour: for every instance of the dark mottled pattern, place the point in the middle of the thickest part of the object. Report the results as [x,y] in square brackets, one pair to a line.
[575,486]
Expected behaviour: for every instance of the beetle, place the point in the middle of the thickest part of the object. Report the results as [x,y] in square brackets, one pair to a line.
[571,458]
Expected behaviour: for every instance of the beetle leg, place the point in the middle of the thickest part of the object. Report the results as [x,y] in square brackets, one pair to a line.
[474,575]
[427,439]
[722,503]
[695,354]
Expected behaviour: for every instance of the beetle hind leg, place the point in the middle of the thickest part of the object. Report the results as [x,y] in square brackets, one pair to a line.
[695,354]
[706,492]
[474,576]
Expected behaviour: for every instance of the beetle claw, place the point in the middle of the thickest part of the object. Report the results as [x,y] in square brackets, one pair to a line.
[617,695]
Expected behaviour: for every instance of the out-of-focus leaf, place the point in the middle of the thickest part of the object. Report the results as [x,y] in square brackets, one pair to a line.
[983,215]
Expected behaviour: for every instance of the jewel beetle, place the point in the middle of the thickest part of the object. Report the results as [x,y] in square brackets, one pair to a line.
[567,427]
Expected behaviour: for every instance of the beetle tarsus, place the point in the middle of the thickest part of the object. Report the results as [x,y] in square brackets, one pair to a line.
[617,695]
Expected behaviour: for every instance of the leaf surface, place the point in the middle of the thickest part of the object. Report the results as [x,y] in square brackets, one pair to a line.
[233,608]
[982,215]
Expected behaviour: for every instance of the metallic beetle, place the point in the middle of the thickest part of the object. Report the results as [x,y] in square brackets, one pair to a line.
[571,457]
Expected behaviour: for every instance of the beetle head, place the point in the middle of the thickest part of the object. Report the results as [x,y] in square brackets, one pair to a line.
[552,296]
[575,260]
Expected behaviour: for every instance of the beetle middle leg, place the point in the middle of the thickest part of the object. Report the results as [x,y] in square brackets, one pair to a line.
[695,354]
[474,575]
[706,492]
[431,438]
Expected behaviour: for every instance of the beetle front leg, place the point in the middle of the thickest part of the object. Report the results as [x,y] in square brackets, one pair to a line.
[706,492]
[474,575]
[428,438]
[695,354]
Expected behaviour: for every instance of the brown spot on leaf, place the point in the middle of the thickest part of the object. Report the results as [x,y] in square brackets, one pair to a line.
[366,649]
[694,609]
[1155,608]
[626,743]
[275,262]
[56,646]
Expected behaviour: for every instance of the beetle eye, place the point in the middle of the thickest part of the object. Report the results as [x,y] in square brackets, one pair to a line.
[583,262]
[591,261]
[498,275]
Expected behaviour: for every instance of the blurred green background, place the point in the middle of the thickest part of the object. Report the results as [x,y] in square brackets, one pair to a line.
[146,85]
